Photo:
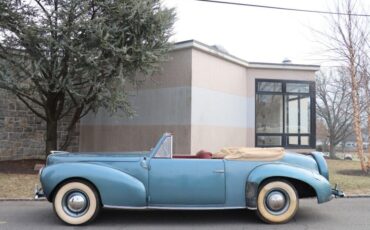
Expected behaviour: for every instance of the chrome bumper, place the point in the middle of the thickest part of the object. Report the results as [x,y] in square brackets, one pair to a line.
[39,193]
[337,192]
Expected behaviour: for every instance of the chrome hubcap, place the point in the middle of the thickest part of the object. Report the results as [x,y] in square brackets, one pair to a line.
[75,203]
[276,202]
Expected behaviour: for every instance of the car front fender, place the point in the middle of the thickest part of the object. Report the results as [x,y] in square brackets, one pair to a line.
[116,188]
[280,170]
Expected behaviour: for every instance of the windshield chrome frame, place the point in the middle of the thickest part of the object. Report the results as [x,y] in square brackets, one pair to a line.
[162,141]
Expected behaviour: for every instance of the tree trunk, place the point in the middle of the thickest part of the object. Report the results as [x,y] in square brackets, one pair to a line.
[367,92]
[51,124]
[71,127]
[332,152]
[368,127]
[368,135]
[356,116]
[359,141]
[51,136]
[332,149]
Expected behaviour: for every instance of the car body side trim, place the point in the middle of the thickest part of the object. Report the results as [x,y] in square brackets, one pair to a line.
[172,207]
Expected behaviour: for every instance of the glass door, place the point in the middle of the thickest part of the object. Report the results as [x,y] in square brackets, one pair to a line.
[297,120]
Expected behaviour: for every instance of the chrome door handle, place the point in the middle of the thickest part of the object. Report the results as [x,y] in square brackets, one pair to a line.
[144,163]
[219,171]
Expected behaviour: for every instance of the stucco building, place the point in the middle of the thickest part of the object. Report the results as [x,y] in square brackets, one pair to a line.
[210,99]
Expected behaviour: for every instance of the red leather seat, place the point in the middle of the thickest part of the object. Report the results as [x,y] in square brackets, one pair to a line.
[184,156]
[204,154]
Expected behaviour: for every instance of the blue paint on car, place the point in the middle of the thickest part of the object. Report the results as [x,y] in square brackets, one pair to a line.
[154,179]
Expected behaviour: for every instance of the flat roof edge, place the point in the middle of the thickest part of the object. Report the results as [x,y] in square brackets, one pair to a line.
[257,65]
[207,49]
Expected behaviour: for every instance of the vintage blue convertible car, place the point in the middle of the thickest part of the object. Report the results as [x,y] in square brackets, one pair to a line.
[80,184]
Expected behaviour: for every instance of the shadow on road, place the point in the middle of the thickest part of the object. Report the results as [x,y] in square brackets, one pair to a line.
[199,218]
[170,217]
[158,219]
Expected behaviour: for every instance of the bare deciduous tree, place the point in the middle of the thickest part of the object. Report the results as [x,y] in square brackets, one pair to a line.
[345,39]
[333,105]
[366,88]
[322,134]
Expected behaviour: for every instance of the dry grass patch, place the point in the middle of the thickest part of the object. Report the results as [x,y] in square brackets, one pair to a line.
[17,185]
[347,174]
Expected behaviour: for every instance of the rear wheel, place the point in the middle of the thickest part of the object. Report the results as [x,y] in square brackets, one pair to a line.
[277,202]
[76,203]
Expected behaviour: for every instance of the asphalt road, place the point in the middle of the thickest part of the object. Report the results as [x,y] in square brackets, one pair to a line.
[337,214]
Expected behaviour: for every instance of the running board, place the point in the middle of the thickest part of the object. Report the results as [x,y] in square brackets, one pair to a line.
[169,208]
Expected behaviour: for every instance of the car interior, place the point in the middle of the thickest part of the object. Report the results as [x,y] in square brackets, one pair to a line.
[202,154]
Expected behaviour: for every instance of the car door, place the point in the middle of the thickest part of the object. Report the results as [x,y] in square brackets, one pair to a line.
[181,182]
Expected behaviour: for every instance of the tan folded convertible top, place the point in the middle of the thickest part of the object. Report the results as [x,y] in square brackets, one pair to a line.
[251,154]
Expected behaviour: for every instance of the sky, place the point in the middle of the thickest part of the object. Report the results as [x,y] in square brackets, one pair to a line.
[255,34]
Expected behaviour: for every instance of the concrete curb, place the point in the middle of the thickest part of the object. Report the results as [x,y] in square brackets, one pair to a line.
[357,196]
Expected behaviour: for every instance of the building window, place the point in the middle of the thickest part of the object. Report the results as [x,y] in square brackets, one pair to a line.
[264,86]
[285,114]
[269,114]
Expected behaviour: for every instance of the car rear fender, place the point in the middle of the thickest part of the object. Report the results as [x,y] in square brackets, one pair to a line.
[321,163]
[280,170]
[116,188]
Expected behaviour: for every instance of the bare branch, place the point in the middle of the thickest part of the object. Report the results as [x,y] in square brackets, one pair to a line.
[31,107]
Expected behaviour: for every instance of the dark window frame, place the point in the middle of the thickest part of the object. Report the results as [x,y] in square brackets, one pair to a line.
[284,135]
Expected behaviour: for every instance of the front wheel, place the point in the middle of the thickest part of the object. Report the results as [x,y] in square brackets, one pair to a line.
[76,203]
[277,202]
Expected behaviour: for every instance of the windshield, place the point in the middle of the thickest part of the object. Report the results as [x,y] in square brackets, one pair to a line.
[165,150]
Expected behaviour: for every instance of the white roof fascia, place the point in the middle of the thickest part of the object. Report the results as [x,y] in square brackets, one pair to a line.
[284,66]
[207,49]
[256,65]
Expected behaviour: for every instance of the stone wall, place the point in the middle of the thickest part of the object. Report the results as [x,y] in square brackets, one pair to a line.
[22,134]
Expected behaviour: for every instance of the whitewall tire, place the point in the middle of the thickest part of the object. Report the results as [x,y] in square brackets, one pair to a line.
[76,203]
[277,202]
